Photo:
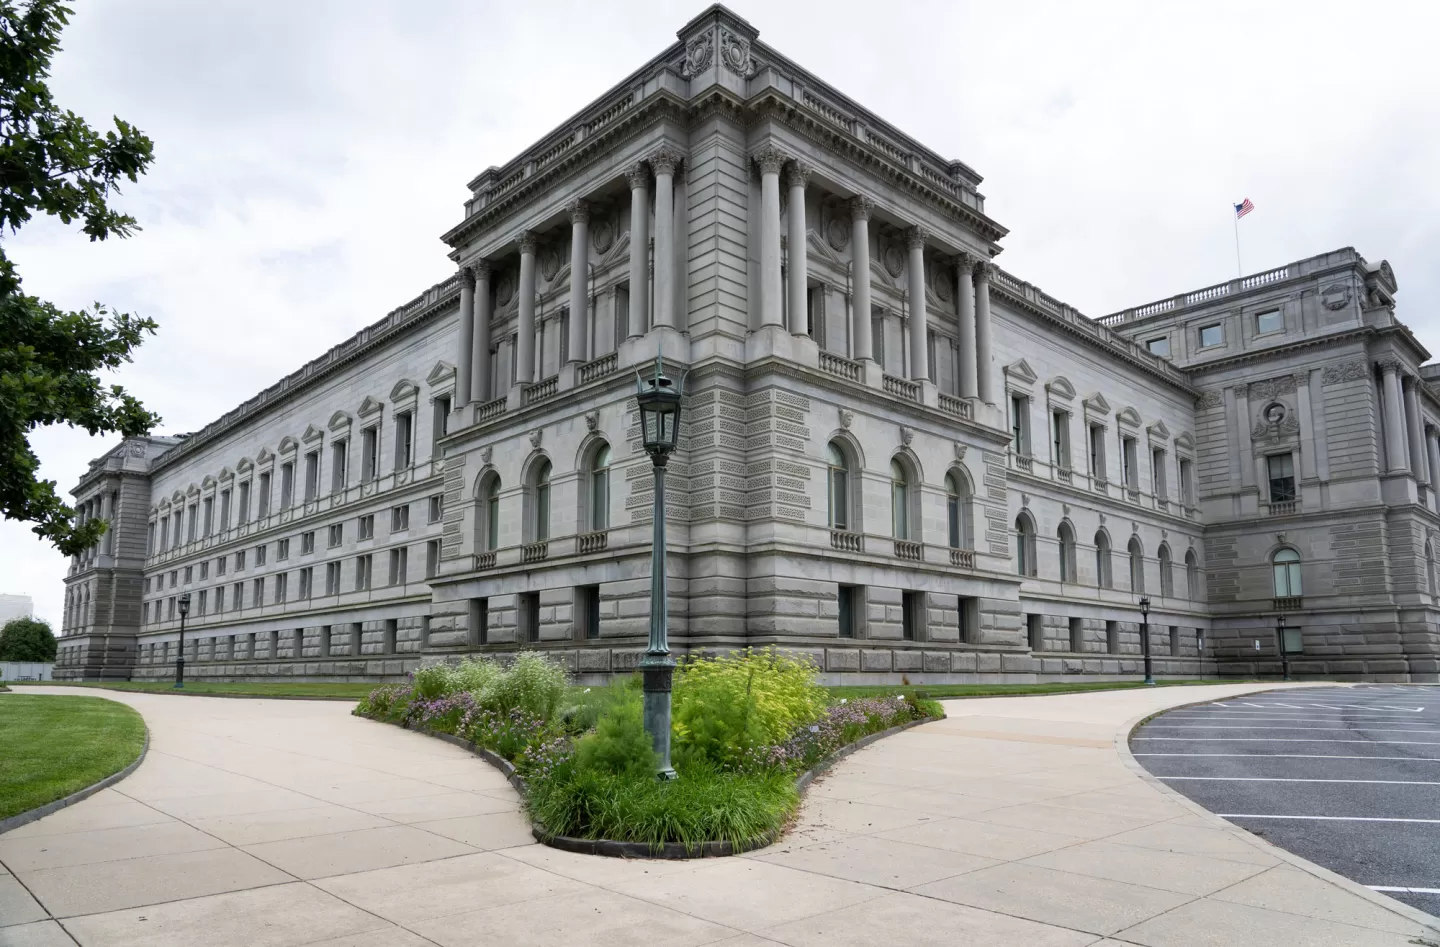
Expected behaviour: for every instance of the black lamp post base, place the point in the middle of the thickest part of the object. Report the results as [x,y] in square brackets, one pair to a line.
[657,673]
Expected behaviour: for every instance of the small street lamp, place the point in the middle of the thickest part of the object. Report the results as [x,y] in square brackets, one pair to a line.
[1145,637]
[180,658]
[659,401]
[1280,643]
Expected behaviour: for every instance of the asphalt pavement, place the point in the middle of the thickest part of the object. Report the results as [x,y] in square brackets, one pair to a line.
[1347,777]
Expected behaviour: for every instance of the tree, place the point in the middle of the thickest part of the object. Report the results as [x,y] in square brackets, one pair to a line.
[27,639]
[53,163]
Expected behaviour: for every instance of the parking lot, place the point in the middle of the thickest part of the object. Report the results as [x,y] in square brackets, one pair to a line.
[1347,777]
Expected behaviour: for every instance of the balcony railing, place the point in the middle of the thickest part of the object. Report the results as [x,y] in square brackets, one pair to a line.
[846,541]
[593,542]
[548,388]
[840,367]
[1285,508]
[900,388]
[1025,463]
[1289,603]
[964,558]
[905,549]
[599,368]
[534,552]
[956,406]
[1064,474]
[485,560]
[490,410]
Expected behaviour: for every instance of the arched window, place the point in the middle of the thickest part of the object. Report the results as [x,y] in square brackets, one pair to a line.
[487,529]
[1067,553]
[899,500]
[540,505]
[1103,577]
[837,482]
[957,510]
[1192,575]
[1137,565]
[1286,563]
[1024,545]
[1167,580]
[600,488]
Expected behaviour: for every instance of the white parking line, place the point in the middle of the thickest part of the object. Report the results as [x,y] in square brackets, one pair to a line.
[1389,890]
[1370,707]
[1281,779]
[1289,740]
[1226,726]
[1326,818]
[1301,756]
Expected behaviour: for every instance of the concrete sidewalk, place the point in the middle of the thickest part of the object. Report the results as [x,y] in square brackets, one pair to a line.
[1015,822]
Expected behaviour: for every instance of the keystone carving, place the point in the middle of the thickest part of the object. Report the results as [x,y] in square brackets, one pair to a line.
[535,436]
[847,417]
[592,420]
[907,434]
[486,453]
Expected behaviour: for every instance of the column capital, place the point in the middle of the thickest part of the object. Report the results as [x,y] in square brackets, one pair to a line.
[665,160]
[915,237]
[579,211]
[797,175]
[769,160]
[638,175]
[467,277]
[481,268]
[860,207]
[1389,366]
[965,263]
[984,269]
[528,241]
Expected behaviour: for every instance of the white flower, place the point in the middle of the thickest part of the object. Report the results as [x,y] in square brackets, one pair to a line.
[814,728]
[844,701]
[587,690]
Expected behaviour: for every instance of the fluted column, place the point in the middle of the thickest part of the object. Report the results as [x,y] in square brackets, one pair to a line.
[770,161]
[1417,438]
[467,337]
[919,325]
[1432,444]
[796,178]
[525,356]
[639,178]
[860,208]
[664,162]
[481,383]
[579,278]
[984,371]
[1394,416]
[965,298]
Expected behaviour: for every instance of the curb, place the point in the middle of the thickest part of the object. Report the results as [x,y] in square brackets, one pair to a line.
[1122,748]
[40,812]
[668,850]
[185,693]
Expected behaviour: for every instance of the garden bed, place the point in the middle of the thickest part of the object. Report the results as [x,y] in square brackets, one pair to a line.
[750,731]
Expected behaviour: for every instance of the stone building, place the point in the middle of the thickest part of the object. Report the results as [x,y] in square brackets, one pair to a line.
[896,456]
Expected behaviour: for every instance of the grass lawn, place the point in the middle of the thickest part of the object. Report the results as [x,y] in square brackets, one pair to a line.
[950,691]
[51,746]
[260,689]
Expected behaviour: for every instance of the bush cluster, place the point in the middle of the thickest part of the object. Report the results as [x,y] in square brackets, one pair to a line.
[744,726]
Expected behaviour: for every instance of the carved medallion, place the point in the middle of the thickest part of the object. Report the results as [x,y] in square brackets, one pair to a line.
[1274,412]
[602,234]
[549,263]
[893,259]
[698,54]
[837,233]
[504,289]
[1335,296]
[942,283]
[735,54]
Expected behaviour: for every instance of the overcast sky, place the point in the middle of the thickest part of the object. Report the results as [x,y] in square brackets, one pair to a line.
[310,153]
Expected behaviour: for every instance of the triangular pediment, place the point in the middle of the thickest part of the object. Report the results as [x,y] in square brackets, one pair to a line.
[339,421]
[370,406]
[1128,415]
[193,490]
[312,434]
[1185,439]
[1060,387]
[226,474]
[1097,404]
[933,300]
[177,497]
[620,251]
[1158,431]
[264,457]
[442,372]
[877,272]
[818,248]
[207,483]
[561,275]
[1021,371]
[245,465]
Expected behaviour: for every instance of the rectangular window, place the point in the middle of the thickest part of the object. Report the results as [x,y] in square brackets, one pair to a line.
[367,526]
[245,502]
[174,577]
[587,608]
[332,578]
[399,565]
[145,613]
[282,550]
[1020,425]
[399,518]
[479,621]
[436,508]
[1035,631]
[1157,474]
[204,570]
[147,585]
[263,501]
[912,616]
[1186,483]
[189,574]
[432,558]
[362,573]
[307,543]
[257,591]
[170,608]
[1077,634]
[219,599]
[224,510]
[1097,451]
[164,533]
[877,339]
[150,541]
[441,423]
[849,608]
[282,586]
[1270,321]
[370,453]
[238,594]
[530,616]
[1129,471]
[1112,637]
[307,578]
[336,535]
[1160,346]
[287,485]
[339,466]
[1212,335]
[204,601]
[622,314]
[240,561]
[1175,641]
[190,535]
[260,555]
[1282,478]
[220,565]
[312,475]
[1060,438]
[404,429]
[208,516]
[969,618]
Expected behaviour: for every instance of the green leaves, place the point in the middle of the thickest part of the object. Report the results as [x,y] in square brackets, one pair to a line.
[27,639]
[53,163]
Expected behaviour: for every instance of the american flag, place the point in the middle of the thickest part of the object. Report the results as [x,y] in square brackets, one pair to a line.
[1243,208]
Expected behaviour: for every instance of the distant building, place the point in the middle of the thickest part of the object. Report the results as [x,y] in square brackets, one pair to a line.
[896,457]
[15,606]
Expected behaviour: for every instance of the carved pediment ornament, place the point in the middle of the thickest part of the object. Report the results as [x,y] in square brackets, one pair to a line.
[847,417]
[592,420]
[1335,296]
[486,453]
[907,434]
[959,451]
[1274,387]
[535,437]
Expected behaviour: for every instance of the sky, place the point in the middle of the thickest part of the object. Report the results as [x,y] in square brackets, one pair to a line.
[309,154]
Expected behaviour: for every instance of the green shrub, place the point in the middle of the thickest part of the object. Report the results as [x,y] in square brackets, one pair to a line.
[383,702]
[432,681]
[727,707]
[619,745]
[475,676]
[533,684]
[585,706]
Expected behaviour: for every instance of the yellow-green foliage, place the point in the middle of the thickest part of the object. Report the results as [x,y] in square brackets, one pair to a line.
[725,707]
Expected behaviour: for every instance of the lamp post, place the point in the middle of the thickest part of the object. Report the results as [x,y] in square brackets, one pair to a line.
[1280,643]
[1145,637]
[659,401]
[180,658]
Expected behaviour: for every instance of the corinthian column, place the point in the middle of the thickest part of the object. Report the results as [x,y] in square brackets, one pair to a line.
[1417,438]
[984,374]
[579,278]
[467,337]
[919,327]
[481,384]
[797,177]
[664,162]
[1432,445]
[639,179]
[769,161]
[965,297]
[525,355]
[860,208]
[1394,422]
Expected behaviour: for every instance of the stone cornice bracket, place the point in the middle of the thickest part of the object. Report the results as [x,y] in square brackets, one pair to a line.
[769,161]
[467,277]
[797,175]
[638,175]
[860,207]
[528,241]
[916,236]
[665,160]
[579,211]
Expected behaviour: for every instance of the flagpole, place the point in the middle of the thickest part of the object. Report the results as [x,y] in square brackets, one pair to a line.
[1240,270]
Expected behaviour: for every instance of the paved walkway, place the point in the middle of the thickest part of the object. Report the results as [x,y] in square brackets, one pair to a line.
[1016,822]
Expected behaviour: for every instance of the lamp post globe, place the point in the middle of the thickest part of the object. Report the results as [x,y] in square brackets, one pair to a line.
[184,603]
[1145,638]
[659,402]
